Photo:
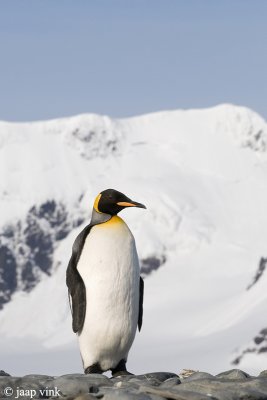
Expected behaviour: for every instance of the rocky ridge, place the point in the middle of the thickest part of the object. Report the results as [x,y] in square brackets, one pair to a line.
[27,246]
[189,385]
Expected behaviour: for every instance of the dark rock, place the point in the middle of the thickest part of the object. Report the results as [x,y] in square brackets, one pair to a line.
[199,375]
[229,385]
[178,394]
[78,375]
[155,397]
[260,346]
[149,385]
[3,373]
[160,376]
[264,332]
[42,379]
[8,231]
[124,394]
[28,276]
[27,246]
[237,360]
[259,273]
[145,380]
[6,380]
[149,380]
[21,384]
[83,397]
[8,273]
[70,385]
[258,339]
[150,264]
[252,389]
[40,243]
[170,383]
[233,374]
[134,384]
[262,349]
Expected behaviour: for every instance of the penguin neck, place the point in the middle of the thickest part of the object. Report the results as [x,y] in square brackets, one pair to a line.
[99,218]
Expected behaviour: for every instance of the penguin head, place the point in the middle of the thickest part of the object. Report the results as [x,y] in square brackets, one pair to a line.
[111,202]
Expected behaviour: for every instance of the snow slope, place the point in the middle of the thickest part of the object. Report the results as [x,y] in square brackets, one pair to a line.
[202,175]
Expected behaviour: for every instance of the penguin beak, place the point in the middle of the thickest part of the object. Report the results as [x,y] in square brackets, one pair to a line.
[130,204]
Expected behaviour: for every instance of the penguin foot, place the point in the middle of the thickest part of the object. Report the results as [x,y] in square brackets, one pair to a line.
[93,369]
[120,373]
[120,369]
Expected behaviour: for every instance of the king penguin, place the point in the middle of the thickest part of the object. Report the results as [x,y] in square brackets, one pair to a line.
[105,287]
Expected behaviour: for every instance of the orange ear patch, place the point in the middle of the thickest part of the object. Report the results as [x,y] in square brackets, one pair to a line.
[96,203]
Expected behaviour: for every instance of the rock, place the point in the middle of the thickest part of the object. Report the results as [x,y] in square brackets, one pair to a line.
[125,384]
[8,381]
[198,375]
[20,388]
[160,376]
[137,383]
[233,374]
[85,397]
[128,390]
[177,394]
[73,385]
[42,379]
[3,373]
[229,385]
[252,389]
[125,393]
[170,383]
[141,380]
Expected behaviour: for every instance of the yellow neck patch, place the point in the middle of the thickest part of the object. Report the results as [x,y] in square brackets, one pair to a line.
[113,221]
[96,203]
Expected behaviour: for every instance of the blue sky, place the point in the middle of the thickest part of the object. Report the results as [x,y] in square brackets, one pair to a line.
[128,57]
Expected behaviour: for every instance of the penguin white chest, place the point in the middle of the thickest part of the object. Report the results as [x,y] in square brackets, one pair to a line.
[109,268]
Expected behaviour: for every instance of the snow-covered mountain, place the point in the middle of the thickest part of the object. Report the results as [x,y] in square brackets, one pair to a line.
[202,240]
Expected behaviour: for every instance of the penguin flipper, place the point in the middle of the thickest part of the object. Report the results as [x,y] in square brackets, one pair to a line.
[75,284]
[141,298]
[78,305]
